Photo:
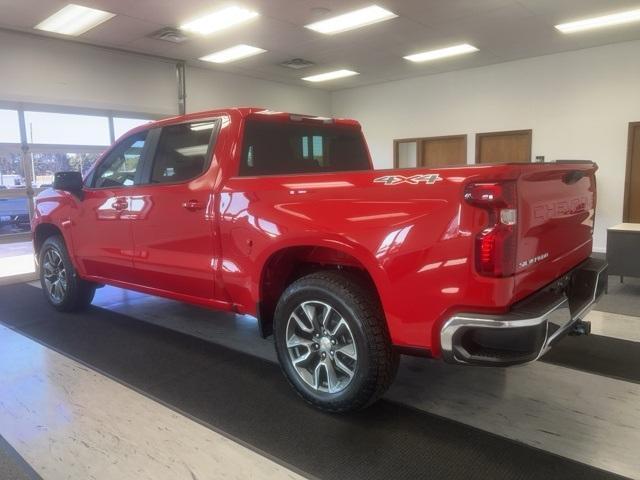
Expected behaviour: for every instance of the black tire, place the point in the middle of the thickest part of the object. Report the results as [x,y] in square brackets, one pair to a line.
[78,293]
[353,300]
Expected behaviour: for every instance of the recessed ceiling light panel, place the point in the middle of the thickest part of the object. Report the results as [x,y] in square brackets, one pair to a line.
[74,20]
[442,53]
[599,22]
[231,54]
[323,77]
[220,20]
[352,20]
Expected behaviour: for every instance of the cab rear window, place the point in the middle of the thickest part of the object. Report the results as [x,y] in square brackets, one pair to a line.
[276,148]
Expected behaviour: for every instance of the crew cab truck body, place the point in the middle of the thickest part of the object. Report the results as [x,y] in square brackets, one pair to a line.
[283,217]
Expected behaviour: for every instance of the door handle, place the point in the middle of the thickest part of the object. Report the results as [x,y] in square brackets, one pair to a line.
[120,204]
[192,205]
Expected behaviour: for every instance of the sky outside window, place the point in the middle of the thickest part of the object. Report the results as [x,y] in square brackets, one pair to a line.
[9,126]
[66,129]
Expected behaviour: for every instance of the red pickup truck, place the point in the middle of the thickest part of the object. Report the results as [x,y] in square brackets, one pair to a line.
[283,217]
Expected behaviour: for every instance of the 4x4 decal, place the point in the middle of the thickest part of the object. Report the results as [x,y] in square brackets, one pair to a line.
[429,179]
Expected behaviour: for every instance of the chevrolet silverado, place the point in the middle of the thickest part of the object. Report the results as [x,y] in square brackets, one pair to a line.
[283,217]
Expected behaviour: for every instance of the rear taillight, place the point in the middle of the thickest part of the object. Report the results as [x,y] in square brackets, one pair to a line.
[495,245]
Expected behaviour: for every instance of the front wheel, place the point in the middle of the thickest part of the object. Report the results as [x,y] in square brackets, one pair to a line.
[332,341]
[62,286]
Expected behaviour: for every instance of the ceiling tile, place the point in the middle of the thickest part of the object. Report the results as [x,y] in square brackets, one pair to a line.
[121,30]
[502,29]
[435,12]
[569,10]
[27,13]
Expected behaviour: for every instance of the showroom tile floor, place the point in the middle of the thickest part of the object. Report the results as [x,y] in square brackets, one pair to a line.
[94,424]
[589,418]
[53,407]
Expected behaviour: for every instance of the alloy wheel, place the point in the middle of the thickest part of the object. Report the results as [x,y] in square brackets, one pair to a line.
[321,346]
[55,275]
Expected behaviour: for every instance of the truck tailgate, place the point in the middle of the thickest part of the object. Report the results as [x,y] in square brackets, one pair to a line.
[556,210]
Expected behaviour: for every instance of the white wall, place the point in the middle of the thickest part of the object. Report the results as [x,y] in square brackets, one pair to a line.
[579,105]
[207,89]
[43,70]
[50,71]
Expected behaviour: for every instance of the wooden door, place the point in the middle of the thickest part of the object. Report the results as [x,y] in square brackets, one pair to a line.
[632,187]
[443,151]
[504,147]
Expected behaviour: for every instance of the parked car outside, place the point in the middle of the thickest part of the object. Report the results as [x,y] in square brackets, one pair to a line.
[14,213]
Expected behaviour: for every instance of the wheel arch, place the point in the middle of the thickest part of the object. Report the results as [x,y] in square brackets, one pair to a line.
[289,263]
[45,230]
[42,232]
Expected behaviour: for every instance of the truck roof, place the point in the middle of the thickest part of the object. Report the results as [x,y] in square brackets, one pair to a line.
[248,112]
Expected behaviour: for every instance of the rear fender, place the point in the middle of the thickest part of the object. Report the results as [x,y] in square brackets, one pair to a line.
[288,261]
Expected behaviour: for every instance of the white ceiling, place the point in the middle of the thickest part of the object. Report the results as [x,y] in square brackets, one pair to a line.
[503,30]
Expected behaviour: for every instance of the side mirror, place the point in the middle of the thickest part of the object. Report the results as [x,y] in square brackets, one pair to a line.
[69,182]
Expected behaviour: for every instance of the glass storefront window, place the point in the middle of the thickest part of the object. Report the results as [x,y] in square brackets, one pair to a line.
[14,207]
[56,142]
[45,165]
[11,171]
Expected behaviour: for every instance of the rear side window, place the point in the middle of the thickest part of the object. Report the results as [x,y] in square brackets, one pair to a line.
[276,148]
[182,152]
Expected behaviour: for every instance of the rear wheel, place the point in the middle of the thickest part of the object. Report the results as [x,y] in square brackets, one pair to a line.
[332,341]
[62,286]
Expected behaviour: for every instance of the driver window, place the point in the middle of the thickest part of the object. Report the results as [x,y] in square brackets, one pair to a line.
[182,152]
[120,167]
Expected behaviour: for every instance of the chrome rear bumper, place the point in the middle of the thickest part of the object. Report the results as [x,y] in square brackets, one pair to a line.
[531,327]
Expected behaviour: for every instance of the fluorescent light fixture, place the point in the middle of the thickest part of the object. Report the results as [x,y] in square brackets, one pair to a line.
[74,20]
[442,53]
[323,77]
[599,22]
[234,53]
[349,21]
[225,18]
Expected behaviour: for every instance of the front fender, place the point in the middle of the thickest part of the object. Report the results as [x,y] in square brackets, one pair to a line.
[52,214]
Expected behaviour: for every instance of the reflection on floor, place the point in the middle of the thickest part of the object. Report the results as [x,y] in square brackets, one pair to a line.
[623,297]
[16,259]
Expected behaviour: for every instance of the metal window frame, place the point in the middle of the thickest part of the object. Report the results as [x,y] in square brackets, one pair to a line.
[64,109]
